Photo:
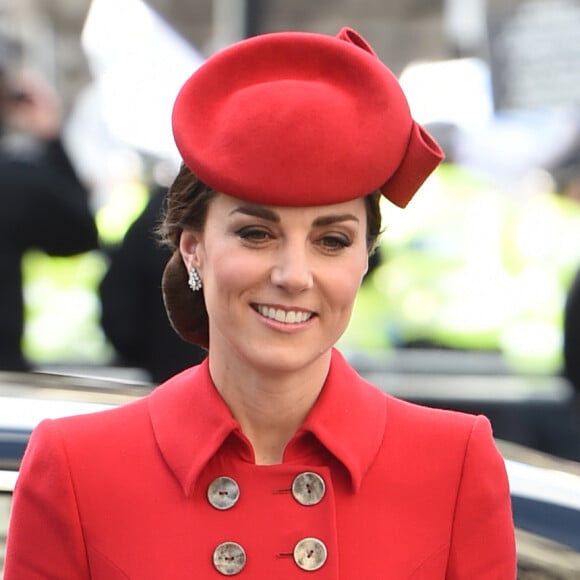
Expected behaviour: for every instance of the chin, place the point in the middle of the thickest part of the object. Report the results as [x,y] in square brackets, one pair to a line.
[283,358]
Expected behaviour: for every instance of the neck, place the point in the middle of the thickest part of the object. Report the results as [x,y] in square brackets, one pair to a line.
[270,406]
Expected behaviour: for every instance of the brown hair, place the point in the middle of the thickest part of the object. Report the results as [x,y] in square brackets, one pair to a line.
[188,201]
[186,207]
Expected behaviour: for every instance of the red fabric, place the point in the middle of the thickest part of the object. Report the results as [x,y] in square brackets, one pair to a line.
[295,118]
[412,492]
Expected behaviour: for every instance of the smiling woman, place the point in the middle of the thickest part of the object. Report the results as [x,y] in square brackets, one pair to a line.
[273,457]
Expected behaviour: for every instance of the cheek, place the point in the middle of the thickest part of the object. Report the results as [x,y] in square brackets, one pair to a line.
[343,284]
[229,271]
[226,270]
[222,280]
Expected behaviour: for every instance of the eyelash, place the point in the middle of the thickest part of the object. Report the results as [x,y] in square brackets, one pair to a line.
[253,233]
[337,242]
[330,242]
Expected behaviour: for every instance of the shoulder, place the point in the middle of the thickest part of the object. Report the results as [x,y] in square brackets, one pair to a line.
[424,421]
[444,436]
[104,428]
[114,445]
[402,419]
[118,423]
[415,415]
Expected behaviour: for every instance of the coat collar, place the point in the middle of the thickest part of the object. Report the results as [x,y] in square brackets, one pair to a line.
[191,421]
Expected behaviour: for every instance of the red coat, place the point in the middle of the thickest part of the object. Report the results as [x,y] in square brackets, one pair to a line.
[411,492]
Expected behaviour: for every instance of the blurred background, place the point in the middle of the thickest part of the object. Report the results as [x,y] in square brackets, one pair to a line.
[472,279]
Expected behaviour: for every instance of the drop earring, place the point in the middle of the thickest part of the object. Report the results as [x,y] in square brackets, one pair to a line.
[194,281]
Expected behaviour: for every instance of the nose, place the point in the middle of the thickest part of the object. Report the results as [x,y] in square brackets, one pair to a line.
[292,270]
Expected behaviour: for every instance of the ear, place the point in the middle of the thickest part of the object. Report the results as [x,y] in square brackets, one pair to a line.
[189,249]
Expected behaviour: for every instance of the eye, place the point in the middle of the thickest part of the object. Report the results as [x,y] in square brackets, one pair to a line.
[254,234]
[335,242]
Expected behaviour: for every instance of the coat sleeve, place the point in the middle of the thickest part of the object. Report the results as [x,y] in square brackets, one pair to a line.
[483,538]
[45,539]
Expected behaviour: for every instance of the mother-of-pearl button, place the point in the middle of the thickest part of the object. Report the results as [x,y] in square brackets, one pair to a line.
[229,558]
[223,493]
[310,554]
[308,488]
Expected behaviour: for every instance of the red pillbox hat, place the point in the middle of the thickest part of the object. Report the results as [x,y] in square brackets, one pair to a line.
[296,118]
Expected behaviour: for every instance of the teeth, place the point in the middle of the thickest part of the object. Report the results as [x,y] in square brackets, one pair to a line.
[287,316]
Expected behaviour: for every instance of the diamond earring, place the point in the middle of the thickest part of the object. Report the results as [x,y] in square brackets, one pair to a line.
[194,281]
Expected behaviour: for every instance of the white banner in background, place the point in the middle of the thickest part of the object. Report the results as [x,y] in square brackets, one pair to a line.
[138,63]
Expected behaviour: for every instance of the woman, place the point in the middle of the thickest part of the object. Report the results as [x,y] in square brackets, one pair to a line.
[273,458]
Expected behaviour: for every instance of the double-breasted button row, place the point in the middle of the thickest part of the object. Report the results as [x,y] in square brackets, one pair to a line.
[308,488]
[309,554]
[229,558]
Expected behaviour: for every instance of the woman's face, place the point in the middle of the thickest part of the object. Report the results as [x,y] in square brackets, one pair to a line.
[279,282]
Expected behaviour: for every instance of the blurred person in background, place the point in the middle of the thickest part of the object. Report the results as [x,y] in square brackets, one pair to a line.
[441,283]
[542,254]
[572,336]
[567,176]
[43,203]
[133,315]
[546,244]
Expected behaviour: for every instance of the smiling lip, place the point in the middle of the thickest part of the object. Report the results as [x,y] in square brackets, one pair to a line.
[283,315]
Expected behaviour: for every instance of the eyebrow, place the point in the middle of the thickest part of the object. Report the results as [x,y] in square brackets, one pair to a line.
[257,211]
[333,219]
[272,216]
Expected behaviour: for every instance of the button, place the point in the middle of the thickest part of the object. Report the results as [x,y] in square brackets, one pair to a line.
[308,488]
[310,554]
[223,493]
[229,558]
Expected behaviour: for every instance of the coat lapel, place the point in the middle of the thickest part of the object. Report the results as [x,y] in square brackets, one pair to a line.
[191,421]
